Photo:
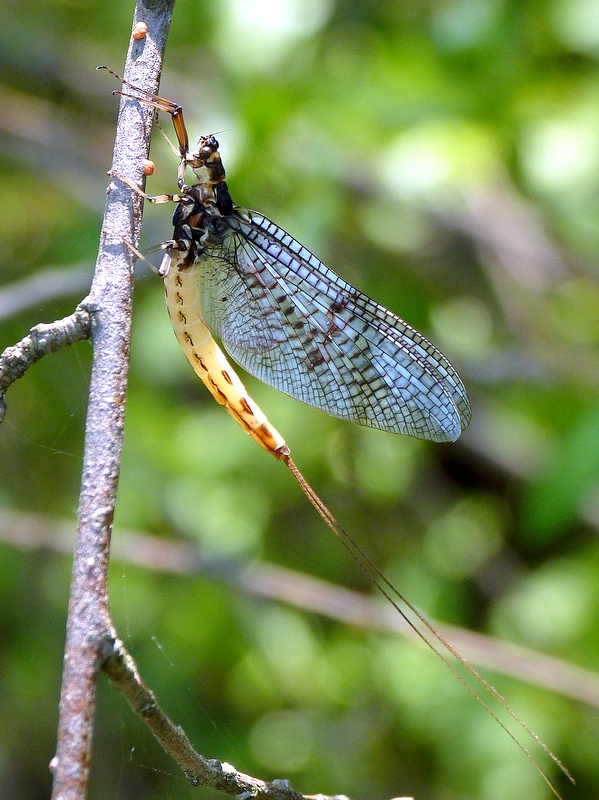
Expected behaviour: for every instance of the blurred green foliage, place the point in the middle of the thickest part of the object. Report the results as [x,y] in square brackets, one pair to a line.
[444,157]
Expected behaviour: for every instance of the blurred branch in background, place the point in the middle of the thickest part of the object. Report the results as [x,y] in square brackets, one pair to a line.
[49,284]
[527,270]
[54,142]
[33,532]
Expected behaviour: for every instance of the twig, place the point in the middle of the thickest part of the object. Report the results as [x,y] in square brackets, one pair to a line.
[42,339]
[199,771]
[88,624]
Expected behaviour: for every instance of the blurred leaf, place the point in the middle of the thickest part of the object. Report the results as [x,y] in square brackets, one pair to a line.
[552,505]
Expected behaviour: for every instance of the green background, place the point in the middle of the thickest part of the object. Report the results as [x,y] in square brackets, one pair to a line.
[442,156]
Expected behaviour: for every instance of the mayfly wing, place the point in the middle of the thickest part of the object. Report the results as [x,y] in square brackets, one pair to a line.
[291,321]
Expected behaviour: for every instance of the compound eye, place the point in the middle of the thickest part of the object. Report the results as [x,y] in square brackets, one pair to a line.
[207,145]
[216,225]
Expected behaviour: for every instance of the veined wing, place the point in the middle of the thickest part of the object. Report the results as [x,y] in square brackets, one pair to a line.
[296,325]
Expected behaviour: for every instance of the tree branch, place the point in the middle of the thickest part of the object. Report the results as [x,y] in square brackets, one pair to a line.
[199,771]
[42,339]
[88,624]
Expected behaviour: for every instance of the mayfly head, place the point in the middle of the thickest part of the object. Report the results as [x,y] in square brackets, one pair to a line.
[206,163]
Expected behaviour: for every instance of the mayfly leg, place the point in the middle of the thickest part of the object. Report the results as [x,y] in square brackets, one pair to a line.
[176,113]
[159,103]
[151,198]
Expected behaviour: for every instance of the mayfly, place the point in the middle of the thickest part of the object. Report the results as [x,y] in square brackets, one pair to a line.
[296,325]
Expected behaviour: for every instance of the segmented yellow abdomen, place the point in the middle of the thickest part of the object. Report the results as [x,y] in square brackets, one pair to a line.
[209,361]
